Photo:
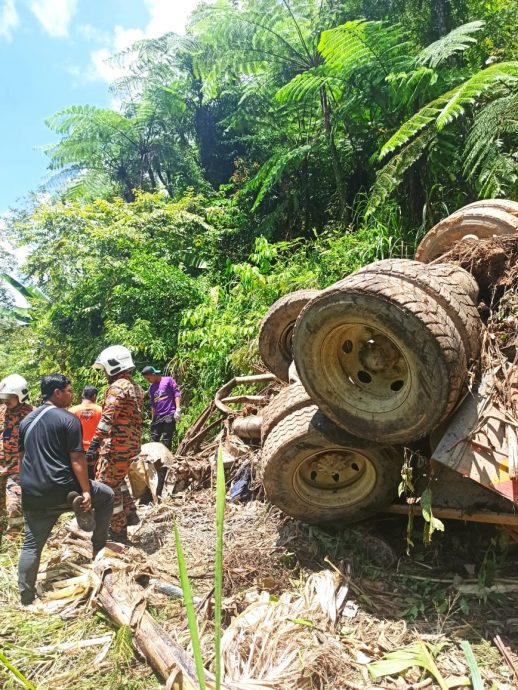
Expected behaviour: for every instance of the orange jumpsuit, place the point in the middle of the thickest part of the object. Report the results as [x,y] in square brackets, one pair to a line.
[118,435]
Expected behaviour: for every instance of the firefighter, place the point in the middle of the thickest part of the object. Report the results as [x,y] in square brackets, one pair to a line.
[117,439]
[14,394]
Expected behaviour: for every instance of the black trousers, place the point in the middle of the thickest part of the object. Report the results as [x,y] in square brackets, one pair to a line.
[38,526]
[163,430]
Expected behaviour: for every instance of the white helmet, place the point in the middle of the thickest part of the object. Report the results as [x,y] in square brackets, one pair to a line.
[14,385]
[114,359]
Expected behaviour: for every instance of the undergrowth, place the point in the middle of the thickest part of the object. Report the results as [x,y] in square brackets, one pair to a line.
[218,337]
[23,632]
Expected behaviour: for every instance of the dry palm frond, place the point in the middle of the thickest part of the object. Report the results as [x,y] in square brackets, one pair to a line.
[289,643]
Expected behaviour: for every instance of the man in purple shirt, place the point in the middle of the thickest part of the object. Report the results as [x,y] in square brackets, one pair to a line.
[165,405]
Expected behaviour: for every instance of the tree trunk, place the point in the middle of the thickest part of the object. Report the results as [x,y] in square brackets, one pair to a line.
[335,159]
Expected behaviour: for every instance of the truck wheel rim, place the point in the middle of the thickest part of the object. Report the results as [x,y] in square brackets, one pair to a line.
[366,367]
[285,341]
[335,477]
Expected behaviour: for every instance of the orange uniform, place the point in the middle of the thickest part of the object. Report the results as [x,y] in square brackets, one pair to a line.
[118,437]
[89,414]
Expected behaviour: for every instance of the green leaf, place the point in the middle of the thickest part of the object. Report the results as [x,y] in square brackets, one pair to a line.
[302,621]
[27,291]
[390,176]
[358,44]
[5,661]
[468,92]
[422,119]
[452,104]
[432,524]
[189,607]
[416,654]
[456,41]
[218,575]
[476,678]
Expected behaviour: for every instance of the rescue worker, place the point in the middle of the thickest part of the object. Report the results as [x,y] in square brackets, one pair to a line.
[164,395]
[117,439]
[89,414]
[14,394]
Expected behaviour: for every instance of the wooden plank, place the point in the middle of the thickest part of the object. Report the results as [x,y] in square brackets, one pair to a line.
[457,514]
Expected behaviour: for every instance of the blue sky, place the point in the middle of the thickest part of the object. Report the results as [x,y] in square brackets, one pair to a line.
[53,55]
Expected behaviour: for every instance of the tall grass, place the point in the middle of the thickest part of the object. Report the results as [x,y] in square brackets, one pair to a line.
[218,584]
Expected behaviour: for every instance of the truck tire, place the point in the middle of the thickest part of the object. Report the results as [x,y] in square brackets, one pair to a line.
[380,357]
[318,473]
[479,223]
[456,276]
[289,399]
[443,286]
[499,204]
[276,331]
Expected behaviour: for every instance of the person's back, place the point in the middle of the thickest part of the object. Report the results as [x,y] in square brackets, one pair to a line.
[46,474]
[54,479]
[88,413]
[123,403]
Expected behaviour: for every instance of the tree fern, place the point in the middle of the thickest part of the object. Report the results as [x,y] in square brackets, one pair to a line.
[391,175]
[452,104]
[272,171]
[468,93]
[457,41]
[361,44]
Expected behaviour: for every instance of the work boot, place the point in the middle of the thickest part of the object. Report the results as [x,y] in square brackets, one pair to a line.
[85,520]
[132,518]
[118,537]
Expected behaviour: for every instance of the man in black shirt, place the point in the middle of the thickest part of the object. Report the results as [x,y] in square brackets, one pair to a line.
[53,471]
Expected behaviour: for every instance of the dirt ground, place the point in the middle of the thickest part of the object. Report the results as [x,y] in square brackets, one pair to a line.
[460,588]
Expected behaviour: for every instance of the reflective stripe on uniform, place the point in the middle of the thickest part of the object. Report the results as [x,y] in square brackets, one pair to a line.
[15,521]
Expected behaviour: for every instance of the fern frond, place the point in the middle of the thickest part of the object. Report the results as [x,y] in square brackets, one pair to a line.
[422,119]
[306,85]
[271,172]
[468,92]
[391,175]
[452,104]
[409,85]
[486,162]
[457,41]
[359,44]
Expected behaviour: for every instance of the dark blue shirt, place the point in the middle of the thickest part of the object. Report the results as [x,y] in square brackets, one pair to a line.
[46,474]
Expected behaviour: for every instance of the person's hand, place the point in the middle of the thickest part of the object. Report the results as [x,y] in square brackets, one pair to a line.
[92,453]
[87,502]
[177,414]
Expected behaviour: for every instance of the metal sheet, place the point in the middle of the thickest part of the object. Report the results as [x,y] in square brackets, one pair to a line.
[475,445]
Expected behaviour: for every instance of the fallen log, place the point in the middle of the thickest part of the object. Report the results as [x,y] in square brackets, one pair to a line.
[125,602]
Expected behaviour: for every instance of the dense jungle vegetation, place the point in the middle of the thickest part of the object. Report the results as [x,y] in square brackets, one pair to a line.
[278,144]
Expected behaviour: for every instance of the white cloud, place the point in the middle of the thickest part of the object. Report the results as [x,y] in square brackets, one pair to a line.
[9,19]
[164,16]
[54,15]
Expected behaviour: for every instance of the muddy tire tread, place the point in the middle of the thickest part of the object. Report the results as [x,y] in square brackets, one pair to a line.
[418,304]
[451,296]
[309,423]
[282,312]
[289,399]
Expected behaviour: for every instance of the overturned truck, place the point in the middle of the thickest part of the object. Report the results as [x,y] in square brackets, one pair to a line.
[403,362]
